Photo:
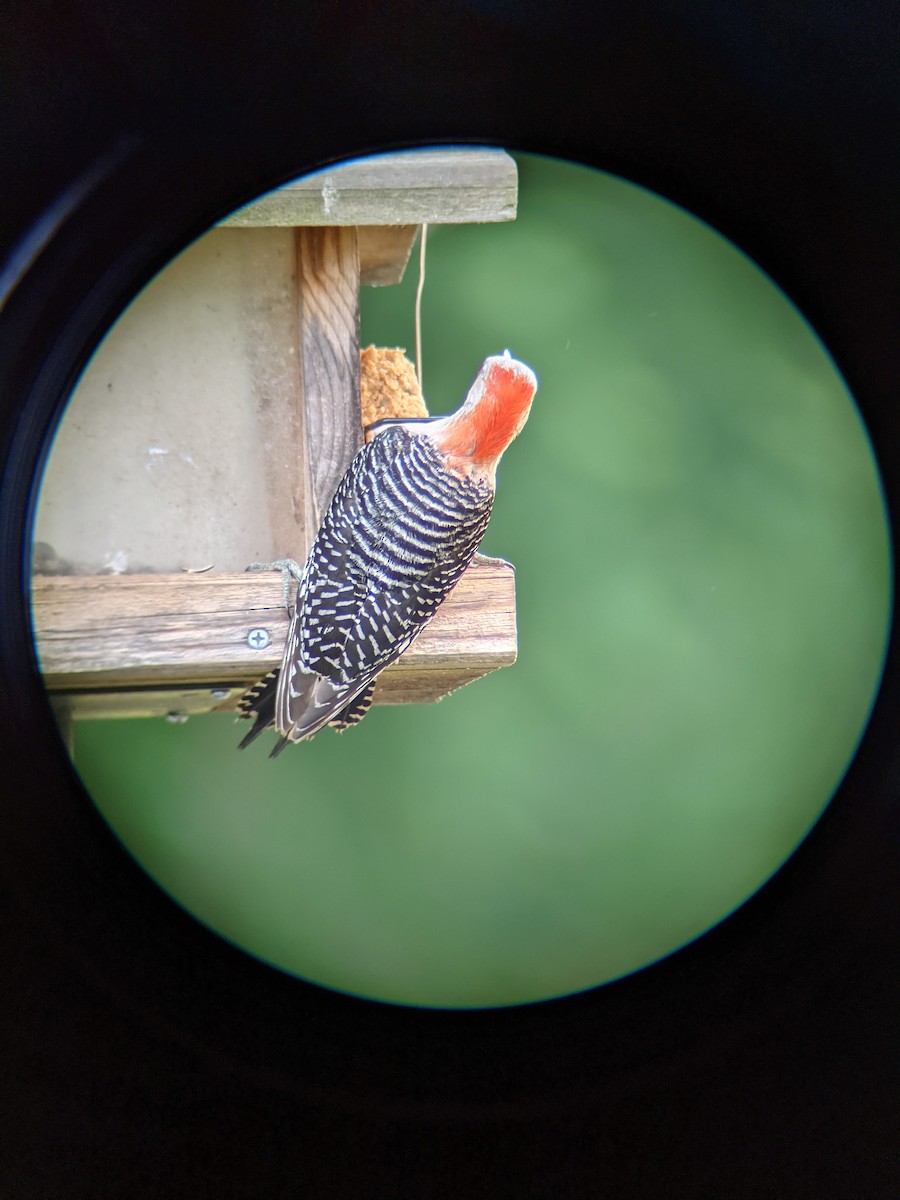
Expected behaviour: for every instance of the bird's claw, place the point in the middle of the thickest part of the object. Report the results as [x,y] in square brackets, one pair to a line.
[289,570]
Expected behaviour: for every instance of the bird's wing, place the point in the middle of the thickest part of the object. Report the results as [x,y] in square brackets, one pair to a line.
[347,656]
[374,578]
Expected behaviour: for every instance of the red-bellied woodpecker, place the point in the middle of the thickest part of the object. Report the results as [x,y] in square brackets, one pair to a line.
[402,526]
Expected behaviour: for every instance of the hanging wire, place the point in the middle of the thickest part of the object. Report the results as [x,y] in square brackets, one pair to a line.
[419,306]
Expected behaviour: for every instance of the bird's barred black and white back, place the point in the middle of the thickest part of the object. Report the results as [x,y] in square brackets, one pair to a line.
[399,532]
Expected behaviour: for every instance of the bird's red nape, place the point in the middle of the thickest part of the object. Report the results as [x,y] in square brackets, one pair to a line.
[495,412]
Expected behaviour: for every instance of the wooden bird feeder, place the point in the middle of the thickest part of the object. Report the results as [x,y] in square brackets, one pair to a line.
[210,430]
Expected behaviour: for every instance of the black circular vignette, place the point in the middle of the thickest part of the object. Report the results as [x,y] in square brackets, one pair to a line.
[767,1045]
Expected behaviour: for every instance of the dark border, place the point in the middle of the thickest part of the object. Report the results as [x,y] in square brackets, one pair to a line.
[149,1056]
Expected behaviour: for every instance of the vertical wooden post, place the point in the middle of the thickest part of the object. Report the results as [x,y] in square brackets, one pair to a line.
[328,296]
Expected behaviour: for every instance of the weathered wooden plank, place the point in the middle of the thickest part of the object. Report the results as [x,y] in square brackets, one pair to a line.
[328,295]
[177,704]
[132,632]
[449,186]
[384,251]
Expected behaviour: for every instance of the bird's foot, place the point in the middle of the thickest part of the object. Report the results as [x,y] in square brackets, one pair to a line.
[486,560]
[289,570]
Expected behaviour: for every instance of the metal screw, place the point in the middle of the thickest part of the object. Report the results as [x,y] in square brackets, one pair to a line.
[220,693]
[258,639]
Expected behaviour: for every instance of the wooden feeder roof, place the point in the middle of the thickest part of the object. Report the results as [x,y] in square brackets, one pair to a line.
[387,198]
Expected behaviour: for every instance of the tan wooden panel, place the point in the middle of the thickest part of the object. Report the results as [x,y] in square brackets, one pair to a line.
[181,445]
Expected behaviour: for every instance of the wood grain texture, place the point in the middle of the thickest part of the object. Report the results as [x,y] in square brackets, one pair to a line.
[328,297]
[176,704]
[450,186]
[180,635]
[384,251]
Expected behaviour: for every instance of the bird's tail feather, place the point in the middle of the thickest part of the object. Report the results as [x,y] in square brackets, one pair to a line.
[259,703]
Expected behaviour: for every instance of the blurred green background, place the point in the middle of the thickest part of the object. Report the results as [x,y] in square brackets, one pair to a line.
[703,594]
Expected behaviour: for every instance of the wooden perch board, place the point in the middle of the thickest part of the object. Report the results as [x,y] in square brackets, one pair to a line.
[144,645]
